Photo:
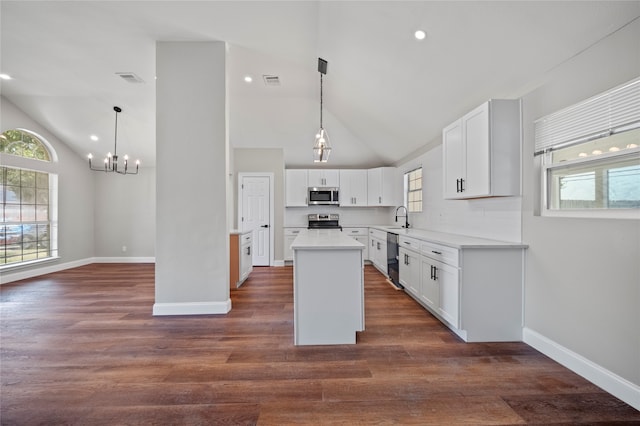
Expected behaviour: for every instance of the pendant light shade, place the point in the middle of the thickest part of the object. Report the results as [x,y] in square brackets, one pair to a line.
[321,146]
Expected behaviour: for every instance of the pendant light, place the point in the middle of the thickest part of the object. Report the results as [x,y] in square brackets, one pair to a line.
[111,161]
[321,147]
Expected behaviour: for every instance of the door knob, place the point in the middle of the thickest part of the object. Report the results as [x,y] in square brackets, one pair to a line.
[264,226]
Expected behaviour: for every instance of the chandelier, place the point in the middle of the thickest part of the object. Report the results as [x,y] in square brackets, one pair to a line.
[111,161]
[321,147]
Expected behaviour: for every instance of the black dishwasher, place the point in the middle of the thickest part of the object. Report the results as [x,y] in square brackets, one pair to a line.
[392,259]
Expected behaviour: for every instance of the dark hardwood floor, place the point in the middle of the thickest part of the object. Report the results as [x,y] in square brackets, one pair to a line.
[81,347]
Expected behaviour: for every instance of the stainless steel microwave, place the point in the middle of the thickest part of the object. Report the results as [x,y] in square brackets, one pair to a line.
[323,196]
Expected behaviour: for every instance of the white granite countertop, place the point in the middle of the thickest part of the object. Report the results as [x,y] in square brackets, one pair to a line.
[325,239]
[450,240]
[238,232]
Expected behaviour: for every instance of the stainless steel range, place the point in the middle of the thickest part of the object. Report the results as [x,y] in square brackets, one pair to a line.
[324,221]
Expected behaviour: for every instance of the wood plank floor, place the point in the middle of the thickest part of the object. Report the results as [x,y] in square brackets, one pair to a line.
[81,347]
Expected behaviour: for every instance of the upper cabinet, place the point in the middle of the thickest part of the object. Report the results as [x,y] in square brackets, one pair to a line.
[318,178]
[296,189]
[353,188]
[481,152]
[383,188]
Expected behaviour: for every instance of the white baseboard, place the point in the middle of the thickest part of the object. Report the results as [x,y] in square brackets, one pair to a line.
[192,308]
[46,268]
[278,263]
[607,380]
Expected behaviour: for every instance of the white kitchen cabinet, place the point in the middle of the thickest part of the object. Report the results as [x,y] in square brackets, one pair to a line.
[383,187]
[362,236]
[296,188]
[409,267]
[290,234]
[481,152]
[429,286]
[241,258]
[474,287]
[353,188]
[409,264]
[439,289]
[378,250]
[318,178]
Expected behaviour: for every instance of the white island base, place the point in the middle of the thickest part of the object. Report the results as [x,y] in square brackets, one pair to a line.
[328,288]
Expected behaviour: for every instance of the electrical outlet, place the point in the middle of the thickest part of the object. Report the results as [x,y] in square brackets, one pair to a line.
[124,249]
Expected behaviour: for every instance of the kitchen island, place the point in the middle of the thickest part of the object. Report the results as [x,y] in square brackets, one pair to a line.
[328,287]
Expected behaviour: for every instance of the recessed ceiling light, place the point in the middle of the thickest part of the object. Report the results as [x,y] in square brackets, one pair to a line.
[248,79]
[420,35]
[5,77]
[93,138]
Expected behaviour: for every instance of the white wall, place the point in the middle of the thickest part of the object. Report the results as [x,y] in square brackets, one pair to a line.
[125,215]
[75,198]
[582,286]
[192,240]
[349,216]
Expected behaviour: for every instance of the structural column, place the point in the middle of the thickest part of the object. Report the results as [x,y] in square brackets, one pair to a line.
[192,244]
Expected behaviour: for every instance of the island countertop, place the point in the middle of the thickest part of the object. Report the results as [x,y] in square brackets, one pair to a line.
[324,239]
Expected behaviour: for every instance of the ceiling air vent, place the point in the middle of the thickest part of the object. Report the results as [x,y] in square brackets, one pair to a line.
[130,77]
[271,80]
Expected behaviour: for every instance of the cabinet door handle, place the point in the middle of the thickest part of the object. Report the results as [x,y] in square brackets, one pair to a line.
[436,252]
[296,232]
[407,257]
[379,200]
[457,185]
[435,273]
[461,185]
[249,251]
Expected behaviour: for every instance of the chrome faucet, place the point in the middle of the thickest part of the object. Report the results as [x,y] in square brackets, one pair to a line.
[406,216]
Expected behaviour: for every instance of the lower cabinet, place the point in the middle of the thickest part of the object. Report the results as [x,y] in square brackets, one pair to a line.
[378,250]
[290,234]
[439,289]
[476,291]
[240,259]
[409,268]
[361,235]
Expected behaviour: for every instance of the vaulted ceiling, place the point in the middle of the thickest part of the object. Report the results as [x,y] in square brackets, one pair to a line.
[386,94]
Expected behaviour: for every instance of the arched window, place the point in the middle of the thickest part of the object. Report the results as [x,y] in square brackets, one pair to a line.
[28,225]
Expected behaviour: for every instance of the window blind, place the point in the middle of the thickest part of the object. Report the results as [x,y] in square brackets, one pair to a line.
[595,117]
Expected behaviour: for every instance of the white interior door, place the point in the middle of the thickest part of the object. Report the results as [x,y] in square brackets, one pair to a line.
[255,200]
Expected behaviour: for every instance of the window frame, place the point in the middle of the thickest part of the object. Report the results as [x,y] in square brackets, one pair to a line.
[407,190]
[548,167]
[48,167]
[610,113]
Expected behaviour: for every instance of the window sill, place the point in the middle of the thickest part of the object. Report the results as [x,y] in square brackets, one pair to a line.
[16,266]
[595,213]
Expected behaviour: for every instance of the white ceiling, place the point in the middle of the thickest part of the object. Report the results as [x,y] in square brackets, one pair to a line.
[386,94]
